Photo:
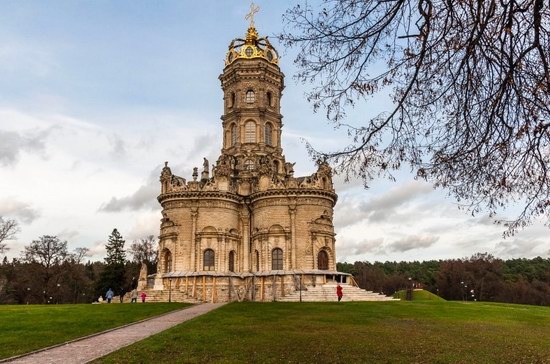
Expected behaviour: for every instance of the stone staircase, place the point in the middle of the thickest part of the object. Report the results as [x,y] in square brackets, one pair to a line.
[164,295]
[327,293]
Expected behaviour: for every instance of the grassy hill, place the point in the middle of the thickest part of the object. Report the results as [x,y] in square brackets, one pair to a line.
[418,295]
[424,331]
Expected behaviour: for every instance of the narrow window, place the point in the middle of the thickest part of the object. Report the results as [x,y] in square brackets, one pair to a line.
[231,261]
[232,99]
[269,99]
[268,135]
[167,261]
[233,135]
[250,132]
[322,260]
[277,259]
[208,261]
[250,98]
[257,261]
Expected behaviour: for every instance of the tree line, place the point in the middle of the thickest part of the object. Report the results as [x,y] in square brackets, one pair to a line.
[47,272]
[481,277]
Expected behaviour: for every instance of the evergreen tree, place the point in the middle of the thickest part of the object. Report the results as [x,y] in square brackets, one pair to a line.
[114,273]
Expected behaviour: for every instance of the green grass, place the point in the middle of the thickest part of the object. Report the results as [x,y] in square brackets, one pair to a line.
[356,332]
[24,328]
[418,295]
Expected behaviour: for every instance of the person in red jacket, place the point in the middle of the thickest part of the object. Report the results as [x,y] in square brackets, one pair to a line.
[339,292]
[143,295]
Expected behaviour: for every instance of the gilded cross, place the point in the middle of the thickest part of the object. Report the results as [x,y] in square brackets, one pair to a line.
[253,10]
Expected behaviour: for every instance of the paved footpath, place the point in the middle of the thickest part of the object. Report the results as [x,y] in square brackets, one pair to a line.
[96,346]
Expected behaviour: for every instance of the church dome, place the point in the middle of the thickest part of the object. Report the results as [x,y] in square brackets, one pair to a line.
[252,46]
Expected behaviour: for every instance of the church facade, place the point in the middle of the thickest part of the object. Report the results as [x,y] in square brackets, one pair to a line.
[245,227]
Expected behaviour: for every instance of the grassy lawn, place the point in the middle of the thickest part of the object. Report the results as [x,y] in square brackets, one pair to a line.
[27,328]
[387,332]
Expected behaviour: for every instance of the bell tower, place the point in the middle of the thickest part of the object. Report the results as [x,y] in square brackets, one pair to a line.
[252,85]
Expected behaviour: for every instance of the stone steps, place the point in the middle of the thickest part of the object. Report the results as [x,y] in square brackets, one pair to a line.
[327,293]
[164,295]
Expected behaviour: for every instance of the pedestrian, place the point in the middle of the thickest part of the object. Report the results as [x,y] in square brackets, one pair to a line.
[122,293]
[134,296]
[339,292]
[143,295]
[109,295]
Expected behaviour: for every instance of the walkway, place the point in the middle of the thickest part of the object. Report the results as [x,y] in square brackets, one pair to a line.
[96,346]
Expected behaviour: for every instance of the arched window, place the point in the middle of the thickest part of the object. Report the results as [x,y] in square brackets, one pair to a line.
[257,261]
[208,260]
[277,259]
[167,261]
[322,260]
[233,135]
[268,134]
[269,99]
[250,97]
[231,261]
[250,132]
[232,99]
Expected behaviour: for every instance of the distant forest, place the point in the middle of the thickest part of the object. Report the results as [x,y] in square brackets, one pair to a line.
[48,273]
[481,277]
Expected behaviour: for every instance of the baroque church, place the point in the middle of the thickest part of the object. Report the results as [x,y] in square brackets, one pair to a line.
[245,227]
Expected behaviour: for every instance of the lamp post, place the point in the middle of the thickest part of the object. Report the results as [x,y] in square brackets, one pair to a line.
[170,289]
[28,293]
[58,294]
[409,290]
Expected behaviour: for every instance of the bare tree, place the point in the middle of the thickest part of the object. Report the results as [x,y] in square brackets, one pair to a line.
[8,229]
[79,255]
[145,250]
[47,251]
[470,85]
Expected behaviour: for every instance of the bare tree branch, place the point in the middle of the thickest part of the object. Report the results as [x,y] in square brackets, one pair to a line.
[470,85]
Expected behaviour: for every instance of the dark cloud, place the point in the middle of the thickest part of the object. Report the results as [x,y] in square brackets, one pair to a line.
[144,197]
[21,211]
[412,242]
[13,143]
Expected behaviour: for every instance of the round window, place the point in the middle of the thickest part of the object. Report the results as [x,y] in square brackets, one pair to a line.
[269,55]
[248,52]
[230,58]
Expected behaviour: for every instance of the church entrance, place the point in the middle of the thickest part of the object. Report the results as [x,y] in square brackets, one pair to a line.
[322,260]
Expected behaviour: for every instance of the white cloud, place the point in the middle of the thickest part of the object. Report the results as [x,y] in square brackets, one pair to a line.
[14,143]
[12,207]
[412,242]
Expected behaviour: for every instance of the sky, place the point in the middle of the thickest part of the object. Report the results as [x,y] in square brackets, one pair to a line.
[96,95]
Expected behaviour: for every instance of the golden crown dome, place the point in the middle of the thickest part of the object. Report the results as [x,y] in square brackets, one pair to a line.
[252,46]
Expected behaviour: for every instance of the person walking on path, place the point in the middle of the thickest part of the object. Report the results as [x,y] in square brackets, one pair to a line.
[109,295]
[143,295]
[134,296]
[339,292]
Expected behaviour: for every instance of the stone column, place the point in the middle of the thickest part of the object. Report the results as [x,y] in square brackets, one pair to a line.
[245,218]
[194,215]
[292,212]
